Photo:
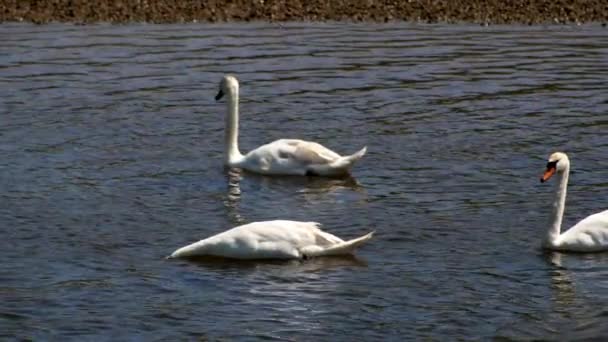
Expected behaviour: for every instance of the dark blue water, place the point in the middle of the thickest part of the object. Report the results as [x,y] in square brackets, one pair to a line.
[111,158]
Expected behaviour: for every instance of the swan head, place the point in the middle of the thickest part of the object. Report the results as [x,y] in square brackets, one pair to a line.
[228,85]
[558,162]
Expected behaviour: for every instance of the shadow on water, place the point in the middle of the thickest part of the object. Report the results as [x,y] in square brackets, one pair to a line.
[309,265]
[311,188]
[306,183]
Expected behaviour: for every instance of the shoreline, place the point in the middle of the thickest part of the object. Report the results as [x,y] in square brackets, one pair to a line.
[528,12]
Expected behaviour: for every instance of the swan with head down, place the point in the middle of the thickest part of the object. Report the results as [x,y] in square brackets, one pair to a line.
[280,239]
[588,235]
[281,157]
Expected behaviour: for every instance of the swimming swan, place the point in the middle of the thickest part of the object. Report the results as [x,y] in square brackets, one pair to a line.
[272,240]
[281,157]
[590,234]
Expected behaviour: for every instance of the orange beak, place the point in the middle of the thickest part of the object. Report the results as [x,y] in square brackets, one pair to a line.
[548,173]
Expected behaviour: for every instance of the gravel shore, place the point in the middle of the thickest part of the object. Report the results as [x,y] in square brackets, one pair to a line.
[177,11]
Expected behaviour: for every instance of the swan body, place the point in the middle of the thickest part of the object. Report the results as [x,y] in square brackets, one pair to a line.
[281,157]
[588,235]
[278,239]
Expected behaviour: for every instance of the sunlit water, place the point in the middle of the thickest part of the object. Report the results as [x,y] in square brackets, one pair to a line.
[111,158]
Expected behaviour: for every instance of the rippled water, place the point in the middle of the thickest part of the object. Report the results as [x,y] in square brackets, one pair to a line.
[111,157]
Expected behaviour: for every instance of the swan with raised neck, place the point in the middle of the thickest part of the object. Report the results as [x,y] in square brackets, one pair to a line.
[588,235]
[229,86]
[280,157]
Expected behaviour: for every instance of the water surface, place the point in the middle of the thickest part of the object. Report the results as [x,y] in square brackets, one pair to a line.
[111,158]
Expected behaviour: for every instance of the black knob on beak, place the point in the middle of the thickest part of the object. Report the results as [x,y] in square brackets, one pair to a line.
[219,95]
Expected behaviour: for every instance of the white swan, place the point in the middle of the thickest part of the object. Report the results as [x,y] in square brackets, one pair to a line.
[281,157]
[272,240]
[590,234]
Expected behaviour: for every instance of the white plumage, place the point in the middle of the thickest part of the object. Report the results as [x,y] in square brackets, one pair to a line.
[280,239]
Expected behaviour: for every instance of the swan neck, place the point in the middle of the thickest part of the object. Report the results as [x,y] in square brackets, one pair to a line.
[559,204]
[232,155]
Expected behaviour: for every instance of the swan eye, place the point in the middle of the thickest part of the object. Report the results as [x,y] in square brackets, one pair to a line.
[552,165]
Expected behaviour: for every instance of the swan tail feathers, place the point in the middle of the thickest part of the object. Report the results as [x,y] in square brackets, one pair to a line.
[350,160]
[343,248]
[345,163]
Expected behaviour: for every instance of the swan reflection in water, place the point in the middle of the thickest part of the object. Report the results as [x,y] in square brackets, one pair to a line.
[313,189]
[233,196]
[561,284]
[576,292]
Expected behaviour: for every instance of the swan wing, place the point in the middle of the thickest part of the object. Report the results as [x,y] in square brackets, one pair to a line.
[289,156]
[588,235]
[306,152]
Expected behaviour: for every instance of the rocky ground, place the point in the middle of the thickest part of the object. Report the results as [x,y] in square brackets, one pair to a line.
[170,11]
